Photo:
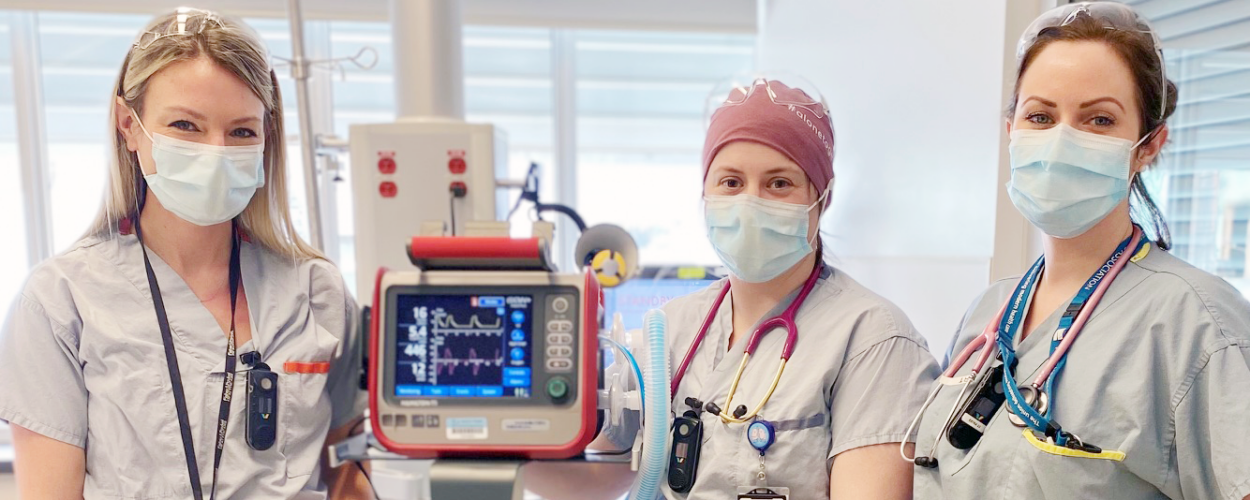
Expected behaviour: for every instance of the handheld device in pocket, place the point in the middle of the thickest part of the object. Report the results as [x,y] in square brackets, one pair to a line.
[262,407]
[976,412]
[683,460]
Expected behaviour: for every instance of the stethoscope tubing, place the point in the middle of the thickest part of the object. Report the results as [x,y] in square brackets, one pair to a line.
[787,320]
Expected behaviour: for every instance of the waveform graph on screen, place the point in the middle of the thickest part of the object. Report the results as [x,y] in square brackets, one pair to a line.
[458,346]
[465,349]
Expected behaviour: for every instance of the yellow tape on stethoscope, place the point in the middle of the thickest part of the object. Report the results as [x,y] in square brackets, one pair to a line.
[1063,451]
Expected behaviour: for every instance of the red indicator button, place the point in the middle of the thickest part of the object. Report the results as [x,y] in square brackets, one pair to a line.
[457,165]
[388,189]
[386,165]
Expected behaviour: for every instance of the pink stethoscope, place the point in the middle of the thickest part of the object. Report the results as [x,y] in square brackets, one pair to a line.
[986,343]
[783,320]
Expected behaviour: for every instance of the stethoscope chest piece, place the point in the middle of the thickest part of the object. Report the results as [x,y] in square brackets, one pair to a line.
[1033,397]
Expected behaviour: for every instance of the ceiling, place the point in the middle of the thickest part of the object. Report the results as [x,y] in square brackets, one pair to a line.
[665,15]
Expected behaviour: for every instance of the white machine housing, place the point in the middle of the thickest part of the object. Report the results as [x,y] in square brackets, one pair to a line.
[403,175]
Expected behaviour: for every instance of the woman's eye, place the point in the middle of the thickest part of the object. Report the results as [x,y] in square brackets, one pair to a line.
[1103,121]
[731,183]
[1039,119]
[243,133]
[184,125]
[780,184]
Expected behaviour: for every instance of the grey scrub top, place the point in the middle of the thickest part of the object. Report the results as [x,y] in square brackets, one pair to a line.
[858,374]
[81,361]
[1160,372]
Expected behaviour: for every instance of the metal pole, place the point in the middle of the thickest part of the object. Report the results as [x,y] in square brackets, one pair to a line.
[308,140]
[429,68]
[564,87]
[321,99]
[31,134]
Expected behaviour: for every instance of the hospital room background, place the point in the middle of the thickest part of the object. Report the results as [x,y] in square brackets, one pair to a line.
[608,100]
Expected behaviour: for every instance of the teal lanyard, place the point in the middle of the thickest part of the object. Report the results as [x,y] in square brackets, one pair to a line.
[1010,323]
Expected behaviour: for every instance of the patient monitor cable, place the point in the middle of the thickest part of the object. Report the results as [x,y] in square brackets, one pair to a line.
[359,464]
[529,191]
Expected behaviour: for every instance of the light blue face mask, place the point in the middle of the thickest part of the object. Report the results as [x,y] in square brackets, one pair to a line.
[1065,181]
[758,239]
[201,183]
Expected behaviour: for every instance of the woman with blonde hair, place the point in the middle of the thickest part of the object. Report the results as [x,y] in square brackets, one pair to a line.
[190,345]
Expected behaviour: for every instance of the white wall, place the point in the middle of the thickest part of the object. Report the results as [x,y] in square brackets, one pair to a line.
[915,88]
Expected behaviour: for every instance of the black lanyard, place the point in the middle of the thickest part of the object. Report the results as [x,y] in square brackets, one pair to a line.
[175,376]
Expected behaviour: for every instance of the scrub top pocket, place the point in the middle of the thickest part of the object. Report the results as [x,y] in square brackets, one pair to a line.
[303,401]
[953,459]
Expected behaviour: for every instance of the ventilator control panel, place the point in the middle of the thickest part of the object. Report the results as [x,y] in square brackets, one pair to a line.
[471,369]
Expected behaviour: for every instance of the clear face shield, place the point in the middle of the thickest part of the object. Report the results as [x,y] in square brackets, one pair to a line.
[188,21]
[1111,15]
[783,89]
[780,89]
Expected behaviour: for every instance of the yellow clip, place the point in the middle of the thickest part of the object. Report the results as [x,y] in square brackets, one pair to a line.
[1145,250]
[1063,451]
[609,268]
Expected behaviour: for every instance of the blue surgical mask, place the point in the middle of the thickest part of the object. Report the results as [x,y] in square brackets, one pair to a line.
[201,183]
[1065,181]
[758,239]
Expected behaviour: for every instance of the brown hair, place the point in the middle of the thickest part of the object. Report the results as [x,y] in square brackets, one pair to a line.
[237,48]
[1137,49]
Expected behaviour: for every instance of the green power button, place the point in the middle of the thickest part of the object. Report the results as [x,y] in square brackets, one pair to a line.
[557,388]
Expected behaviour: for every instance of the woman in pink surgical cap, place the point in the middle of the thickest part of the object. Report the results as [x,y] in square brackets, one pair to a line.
[813,411]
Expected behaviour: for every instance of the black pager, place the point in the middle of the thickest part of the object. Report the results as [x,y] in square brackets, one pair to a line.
[968,424]
[262,407]
[683,461]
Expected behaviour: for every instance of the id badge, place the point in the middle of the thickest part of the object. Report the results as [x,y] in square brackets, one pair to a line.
[763,493]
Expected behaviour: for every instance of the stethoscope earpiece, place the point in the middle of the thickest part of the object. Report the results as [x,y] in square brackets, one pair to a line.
[927,462]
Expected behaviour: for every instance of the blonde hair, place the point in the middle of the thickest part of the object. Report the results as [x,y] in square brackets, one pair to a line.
[187,34]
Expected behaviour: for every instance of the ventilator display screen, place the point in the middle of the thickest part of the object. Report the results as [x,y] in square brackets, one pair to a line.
[464,346]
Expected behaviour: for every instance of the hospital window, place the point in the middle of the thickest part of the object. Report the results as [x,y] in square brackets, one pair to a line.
[13,263]
[1202,181]
[636,117]
[640,125]
[13,254]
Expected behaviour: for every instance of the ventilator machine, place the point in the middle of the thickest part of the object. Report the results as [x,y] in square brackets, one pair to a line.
[481,355]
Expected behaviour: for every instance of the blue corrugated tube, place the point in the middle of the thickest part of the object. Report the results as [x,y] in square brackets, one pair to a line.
[656,403]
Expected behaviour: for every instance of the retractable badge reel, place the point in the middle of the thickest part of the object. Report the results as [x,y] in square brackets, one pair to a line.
[761,434]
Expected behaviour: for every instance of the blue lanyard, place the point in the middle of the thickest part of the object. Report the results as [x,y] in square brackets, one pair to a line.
[1010,324]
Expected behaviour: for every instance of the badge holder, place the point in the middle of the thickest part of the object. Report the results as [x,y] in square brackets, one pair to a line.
[683,460]
[262,403]
[761,434]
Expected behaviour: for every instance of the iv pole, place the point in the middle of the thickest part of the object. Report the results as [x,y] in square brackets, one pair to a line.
[308,140]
